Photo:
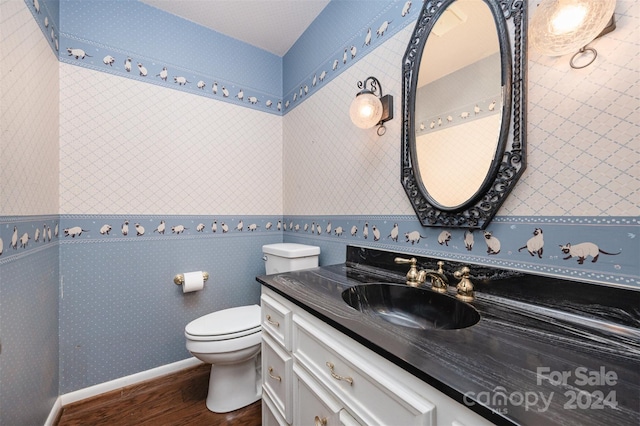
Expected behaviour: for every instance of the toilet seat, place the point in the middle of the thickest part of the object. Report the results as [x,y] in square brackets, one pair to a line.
[226,324]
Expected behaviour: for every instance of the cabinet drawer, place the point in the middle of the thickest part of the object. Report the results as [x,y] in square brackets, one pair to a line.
[312,404]
[276,376]
[362,381]
[276,320]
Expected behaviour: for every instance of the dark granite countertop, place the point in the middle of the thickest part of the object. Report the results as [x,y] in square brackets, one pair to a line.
[545,351]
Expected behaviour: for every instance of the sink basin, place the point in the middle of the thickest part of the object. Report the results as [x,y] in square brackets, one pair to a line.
[411,307]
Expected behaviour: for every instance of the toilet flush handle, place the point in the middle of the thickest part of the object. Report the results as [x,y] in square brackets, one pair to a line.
[264,257]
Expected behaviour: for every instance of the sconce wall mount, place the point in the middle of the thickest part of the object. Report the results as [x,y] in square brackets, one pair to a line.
[370,107]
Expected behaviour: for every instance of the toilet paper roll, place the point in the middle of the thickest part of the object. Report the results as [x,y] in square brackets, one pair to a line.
[193,281]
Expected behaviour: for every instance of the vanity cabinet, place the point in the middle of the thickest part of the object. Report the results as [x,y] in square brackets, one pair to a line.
[314,374]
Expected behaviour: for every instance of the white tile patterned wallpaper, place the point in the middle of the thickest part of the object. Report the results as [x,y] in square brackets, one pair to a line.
[135,148]
[333,167]
[583,132]
[29,116]
[583,129]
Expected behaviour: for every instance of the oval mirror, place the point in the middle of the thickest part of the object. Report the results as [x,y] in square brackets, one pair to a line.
[458,103]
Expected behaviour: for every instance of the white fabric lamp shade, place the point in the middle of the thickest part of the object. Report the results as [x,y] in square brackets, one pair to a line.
[366,110]
[559,27]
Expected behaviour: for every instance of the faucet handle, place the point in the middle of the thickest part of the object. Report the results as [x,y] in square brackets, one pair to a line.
[414,278]
[465,286]
[401,260]
[462,272]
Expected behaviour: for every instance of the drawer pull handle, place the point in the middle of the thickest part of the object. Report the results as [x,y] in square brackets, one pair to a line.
[321,421]
[278,378]
[272,322]
[337,376]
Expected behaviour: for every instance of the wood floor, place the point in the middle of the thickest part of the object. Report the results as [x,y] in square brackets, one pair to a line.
[175,399]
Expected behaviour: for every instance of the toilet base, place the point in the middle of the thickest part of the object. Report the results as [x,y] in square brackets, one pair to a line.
[233,386]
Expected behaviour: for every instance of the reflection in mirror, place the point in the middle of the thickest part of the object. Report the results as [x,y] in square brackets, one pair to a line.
[458,94]
[463,110]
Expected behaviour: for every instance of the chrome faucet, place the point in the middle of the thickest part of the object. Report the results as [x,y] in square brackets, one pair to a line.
[416,278]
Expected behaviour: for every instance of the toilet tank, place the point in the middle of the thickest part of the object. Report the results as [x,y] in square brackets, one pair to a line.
[285,257]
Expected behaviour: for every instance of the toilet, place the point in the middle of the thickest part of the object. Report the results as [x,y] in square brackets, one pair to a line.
[230,339]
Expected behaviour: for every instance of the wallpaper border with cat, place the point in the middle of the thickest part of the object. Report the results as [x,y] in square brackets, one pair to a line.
[120,60]
[601,250]
[550,246]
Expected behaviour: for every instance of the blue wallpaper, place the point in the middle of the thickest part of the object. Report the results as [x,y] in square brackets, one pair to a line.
[115,307]
[121,313]
[29,330]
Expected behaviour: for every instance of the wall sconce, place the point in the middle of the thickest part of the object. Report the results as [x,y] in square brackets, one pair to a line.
[370,108]
[559,27]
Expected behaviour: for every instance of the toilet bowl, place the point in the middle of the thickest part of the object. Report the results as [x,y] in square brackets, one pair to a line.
[229,340]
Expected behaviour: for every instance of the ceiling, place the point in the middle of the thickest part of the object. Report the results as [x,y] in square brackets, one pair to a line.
[272,25]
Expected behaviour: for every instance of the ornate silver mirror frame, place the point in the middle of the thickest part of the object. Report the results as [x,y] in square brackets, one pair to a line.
[509,161]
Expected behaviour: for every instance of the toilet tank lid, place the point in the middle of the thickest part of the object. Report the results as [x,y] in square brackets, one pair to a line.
[290,250]
[226,321]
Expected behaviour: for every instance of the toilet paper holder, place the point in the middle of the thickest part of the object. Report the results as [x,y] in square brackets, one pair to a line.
[179,279]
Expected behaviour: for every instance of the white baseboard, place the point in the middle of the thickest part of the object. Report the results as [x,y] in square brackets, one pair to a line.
[101,388]
[53,414]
